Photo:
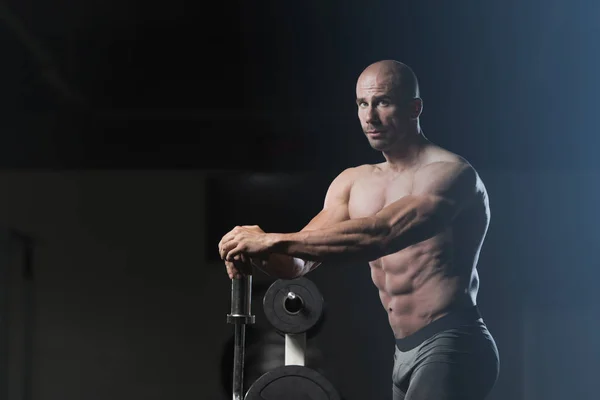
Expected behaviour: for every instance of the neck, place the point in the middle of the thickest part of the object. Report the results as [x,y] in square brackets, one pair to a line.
[406,152]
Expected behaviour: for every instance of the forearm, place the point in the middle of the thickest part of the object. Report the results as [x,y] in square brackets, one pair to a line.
[368,238]
[358,238]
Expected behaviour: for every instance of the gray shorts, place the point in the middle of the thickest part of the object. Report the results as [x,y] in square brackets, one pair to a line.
[453,358]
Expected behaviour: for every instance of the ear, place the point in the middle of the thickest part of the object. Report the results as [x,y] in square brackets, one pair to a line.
[416,108]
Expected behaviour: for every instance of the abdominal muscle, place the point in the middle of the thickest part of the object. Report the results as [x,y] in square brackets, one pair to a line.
[418,285]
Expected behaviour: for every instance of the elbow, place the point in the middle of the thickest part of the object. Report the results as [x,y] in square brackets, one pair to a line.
[380,240]
[415,225]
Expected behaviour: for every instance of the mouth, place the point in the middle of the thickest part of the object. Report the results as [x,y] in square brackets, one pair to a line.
[374,133]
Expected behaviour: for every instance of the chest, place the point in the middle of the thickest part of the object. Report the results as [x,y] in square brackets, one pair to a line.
[370,194]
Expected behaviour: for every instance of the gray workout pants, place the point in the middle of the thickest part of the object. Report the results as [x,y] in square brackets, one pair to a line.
[456,360]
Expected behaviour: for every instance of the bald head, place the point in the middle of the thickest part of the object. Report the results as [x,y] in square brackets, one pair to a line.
[389,105]
[394,76]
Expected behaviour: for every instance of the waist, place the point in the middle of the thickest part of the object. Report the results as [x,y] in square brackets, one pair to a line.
[453,319]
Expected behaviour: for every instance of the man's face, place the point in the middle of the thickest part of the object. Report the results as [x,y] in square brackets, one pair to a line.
[384,116]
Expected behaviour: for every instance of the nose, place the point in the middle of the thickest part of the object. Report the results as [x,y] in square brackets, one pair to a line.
[371,115]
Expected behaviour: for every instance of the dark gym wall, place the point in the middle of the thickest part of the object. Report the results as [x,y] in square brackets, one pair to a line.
[126,306]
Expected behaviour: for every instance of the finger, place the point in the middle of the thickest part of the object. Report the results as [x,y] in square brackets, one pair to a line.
[240,258]
[231,233]
[232,271]
[220,247]
[223,251]
[222,243]
[232,253]
[226,237]
[227,247]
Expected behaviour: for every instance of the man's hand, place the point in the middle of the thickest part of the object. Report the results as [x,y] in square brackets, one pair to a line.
[236,269]
[250,241]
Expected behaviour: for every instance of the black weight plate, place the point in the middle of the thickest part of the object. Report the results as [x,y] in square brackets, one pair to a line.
[293,323]
[292,382]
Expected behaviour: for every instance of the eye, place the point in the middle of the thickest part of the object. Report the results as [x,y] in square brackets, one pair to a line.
[384,103]
[362,104]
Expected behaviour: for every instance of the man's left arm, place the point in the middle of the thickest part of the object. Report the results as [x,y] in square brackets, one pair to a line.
[440,191]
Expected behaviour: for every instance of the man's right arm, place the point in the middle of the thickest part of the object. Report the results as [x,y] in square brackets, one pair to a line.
[335,210]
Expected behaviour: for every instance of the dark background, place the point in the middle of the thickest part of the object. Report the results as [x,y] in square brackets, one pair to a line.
[134,134]
[270,84]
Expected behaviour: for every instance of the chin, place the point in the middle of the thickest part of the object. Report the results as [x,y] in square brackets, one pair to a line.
[379,145]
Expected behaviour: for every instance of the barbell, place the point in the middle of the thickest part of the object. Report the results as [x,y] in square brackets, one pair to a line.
[295,308]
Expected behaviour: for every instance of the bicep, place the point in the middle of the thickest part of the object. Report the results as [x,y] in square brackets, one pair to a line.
[451,186]
[439,193]
[328,216]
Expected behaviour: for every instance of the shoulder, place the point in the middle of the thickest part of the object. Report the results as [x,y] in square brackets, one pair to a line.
[448,169]
[343,182]
[443,169]
[432,154]
[438,160]
[351,174]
